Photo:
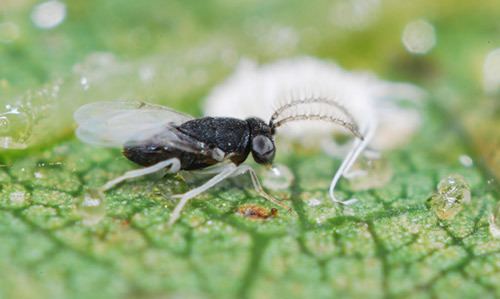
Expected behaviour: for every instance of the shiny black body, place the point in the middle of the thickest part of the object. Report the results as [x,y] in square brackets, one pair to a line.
[232,136]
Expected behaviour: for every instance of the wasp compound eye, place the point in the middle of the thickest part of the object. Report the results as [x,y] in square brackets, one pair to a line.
[263,149]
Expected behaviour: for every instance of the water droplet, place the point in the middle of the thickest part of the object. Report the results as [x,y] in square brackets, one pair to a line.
[278,177]
[452,193]
[84,82]
[419,37]
[370,171]
[91,208]
[17,197]
[494,222]
[313,202]
[48,14]
[465,160]
[491,71]
[15,127]
[4,123]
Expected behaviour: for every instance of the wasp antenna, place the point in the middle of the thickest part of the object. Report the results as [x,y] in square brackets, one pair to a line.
[352,127]
[313,108]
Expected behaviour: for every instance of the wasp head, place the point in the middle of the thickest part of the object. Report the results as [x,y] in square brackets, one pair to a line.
[261,141]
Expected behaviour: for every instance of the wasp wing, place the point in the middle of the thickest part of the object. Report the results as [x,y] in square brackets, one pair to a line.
[116,123]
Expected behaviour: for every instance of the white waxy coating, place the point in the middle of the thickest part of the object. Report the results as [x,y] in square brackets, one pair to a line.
[257,90]
[368,101]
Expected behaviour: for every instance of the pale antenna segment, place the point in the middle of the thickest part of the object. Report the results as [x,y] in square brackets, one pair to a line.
[314,108]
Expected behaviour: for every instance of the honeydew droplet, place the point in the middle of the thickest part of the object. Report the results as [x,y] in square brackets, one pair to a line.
[91,208]
[15,127]
[278,177]
[84,82]
[466,161]
[313,202]
[452,194]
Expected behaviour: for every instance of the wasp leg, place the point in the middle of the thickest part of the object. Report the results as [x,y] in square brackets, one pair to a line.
[358,146]
[258,187]
[173,163]
[224,173]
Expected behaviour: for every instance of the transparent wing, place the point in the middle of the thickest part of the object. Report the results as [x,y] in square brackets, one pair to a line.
[114,123]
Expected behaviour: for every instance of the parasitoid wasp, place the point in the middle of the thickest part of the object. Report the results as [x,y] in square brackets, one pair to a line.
[160,138]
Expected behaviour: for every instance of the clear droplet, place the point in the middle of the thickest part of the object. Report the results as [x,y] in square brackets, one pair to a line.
[465,160]
[494,222]
[452,193]
[15,127]
[370,171]
[419,37]
[313,202]
[491,71]
[278,177]
[92,208]
[84,82]
[48,14]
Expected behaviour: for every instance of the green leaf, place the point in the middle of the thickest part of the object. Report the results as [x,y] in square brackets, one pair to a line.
[390,244]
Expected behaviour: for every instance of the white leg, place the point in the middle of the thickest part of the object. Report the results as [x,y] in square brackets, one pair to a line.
[258,187]
[358,147]
[225,172]
[173,163]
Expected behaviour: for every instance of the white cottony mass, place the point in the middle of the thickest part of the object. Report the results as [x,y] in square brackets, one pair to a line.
[372,103]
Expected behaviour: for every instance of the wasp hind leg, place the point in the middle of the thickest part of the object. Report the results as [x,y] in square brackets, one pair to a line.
[173,164]
[345,168]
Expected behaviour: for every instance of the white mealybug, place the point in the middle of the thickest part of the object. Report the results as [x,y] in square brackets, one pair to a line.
[308,88]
